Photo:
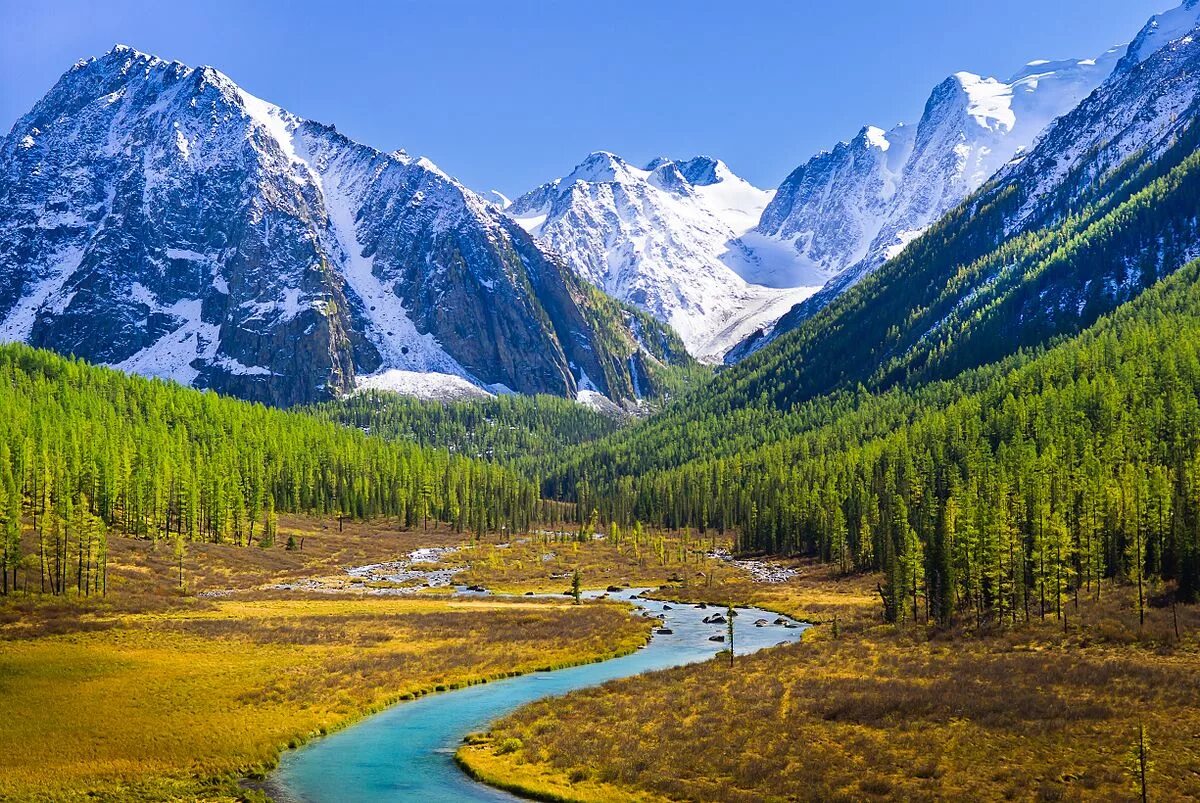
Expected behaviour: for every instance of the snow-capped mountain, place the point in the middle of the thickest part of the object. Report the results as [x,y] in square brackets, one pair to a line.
[1159,31]
[848,210]
[1142,109]
[158,218]
[666,238]
[1147,108]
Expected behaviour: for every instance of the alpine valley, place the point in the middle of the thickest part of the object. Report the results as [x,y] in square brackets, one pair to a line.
[883,484]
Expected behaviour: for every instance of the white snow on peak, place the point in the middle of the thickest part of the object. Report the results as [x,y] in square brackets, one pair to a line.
[877,137]
[666,238]
[278,123]
[989,101]
[1161,30]
[602,167]
[426,164]
[735,201]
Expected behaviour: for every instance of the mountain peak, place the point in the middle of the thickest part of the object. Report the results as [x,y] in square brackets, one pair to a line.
[598,168]
[1159,31]
[121,57]
[874,137]
[702,171]
[989,101]
[193,231]
[125,50]
[699,171]
[665,238]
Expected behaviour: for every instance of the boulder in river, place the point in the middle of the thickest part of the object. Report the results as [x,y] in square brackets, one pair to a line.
[668,608]
[702,605]
[791,625]
[715,619]
[781,621]
[614,589]
[761,623]
[716,638]
[664,631]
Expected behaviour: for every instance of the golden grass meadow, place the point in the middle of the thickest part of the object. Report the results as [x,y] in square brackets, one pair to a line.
[153,694]
[1034,713]
[160,693]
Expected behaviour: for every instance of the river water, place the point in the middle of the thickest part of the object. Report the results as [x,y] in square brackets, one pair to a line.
[405,753]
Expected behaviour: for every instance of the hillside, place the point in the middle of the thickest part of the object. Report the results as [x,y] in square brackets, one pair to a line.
[87,453]
[1036,254]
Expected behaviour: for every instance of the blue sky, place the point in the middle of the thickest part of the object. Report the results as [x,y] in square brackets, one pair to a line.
[505,94]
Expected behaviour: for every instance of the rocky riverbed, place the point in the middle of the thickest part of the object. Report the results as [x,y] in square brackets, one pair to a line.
[420,570]
[762,571]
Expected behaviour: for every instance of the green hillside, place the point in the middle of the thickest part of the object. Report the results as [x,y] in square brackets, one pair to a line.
[85,451]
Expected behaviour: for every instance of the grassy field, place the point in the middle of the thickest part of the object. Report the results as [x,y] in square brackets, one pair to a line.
[1030,713]
[155,693]
[544,562]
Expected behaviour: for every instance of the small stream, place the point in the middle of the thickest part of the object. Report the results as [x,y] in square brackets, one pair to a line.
[406,752]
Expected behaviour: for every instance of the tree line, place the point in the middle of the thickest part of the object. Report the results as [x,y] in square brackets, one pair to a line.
[529,431]
[88,452]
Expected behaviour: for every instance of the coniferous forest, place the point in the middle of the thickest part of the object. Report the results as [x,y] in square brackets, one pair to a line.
[88,453]
[1000,495]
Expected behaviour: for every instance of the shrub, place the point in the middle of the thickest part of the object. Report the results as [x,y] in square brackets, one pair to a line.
[509,745]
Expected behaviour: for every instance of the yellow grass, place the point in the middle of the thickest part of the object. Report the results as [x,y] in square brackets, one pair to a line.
[539,783]
[154,694]
[1032,713]
[541,563]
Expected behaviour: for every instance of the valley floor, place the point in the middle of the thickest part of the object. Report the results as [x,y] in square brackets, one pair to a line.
[153,692]
[1041,711]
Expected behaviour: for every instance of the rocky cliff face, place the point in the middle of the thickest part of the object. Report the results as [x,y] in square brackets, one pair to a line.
[156,217]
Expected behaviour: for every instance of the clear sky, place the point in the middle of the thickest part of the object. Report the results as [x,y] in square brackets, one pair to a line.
[506,94]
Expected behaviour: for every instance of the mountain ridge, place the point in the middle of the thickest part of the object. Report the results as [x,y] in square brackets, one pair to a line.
[1008,118]
[239,247]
